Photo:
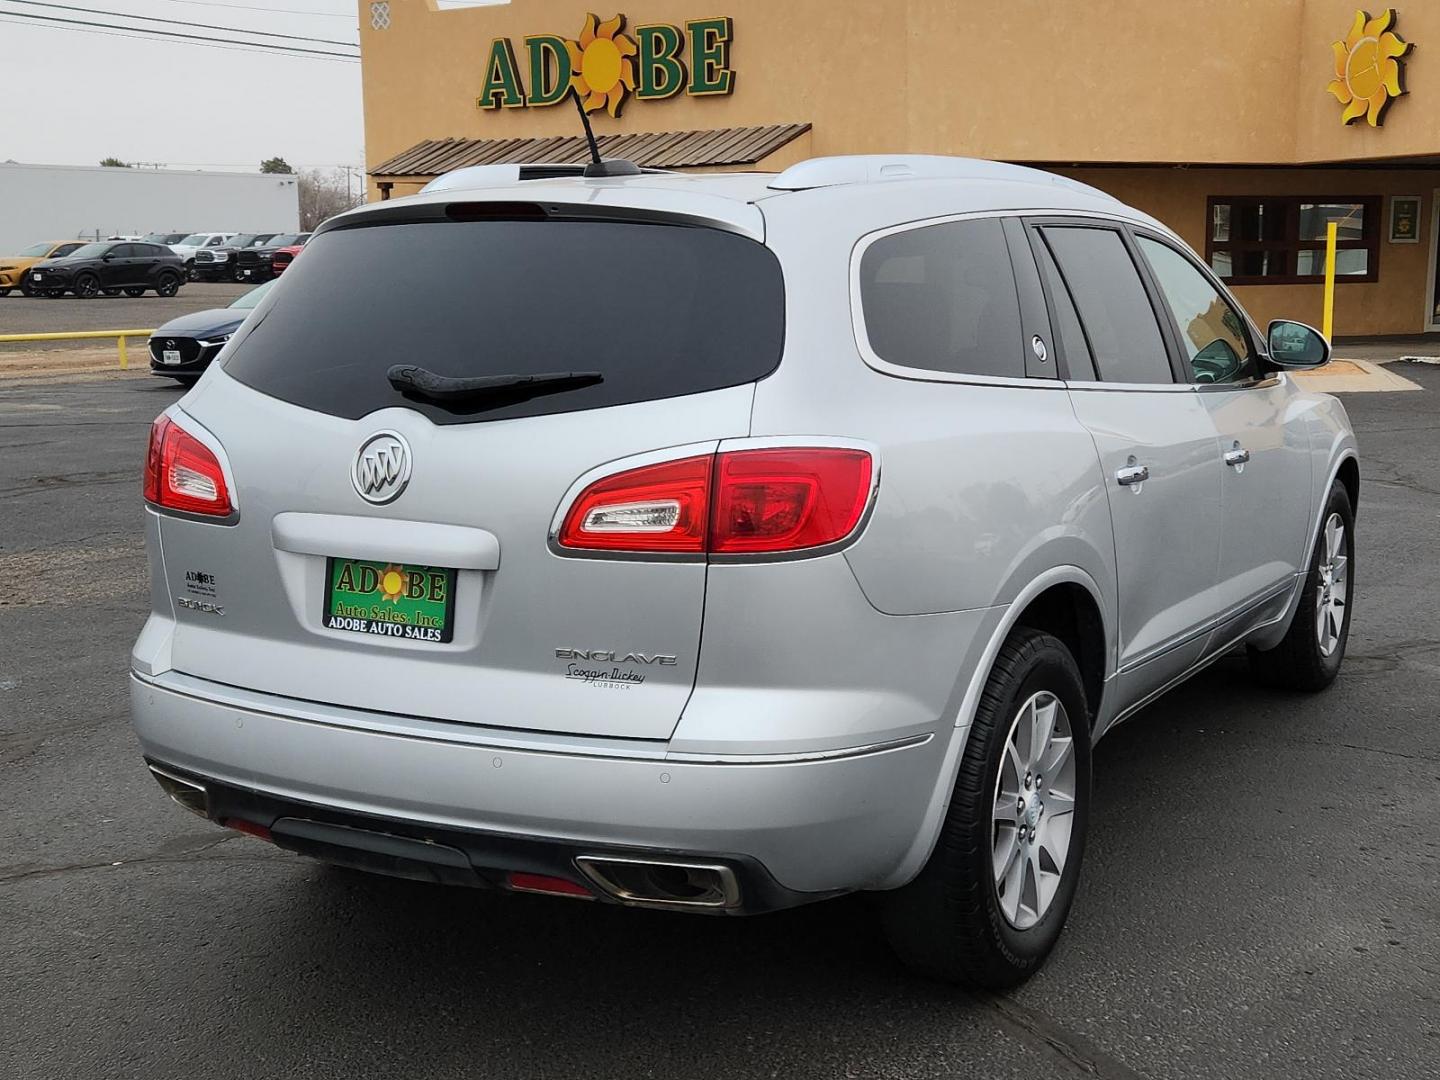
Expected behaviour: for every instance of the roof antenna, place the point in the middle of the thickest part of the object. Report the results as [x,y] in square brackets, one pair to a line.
[597,167]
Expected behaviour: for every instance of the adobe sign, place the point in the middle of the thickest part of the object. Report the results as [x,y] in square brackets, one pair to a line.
[608,62]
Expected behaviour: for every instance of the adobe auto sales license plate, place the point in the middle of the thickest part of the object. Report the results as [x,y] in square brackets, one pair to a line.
[397,600]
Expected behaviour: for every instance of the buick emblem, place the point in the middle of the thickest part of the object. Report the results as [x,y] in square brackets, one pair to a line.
[382,467]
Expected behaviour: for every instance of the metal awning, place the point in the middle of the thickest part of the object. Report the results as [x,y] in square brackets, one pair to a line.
[653,149]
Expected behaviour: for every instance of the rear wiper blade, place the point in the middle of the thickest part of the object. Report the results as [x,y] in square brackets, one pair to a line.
[422,382]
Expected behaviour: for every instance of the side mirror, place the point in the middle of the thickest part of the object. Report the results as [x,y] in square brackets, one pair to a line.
[107,256]
[1295,345]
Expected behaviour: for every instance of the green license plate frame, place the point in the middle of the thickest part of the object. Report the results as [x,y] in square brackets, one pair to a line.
[391,600]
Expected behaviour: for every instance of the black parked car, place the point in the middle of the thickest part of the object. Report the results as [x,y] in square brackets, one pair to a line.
[183,348]
[111,267]
[254,263]
[218,263]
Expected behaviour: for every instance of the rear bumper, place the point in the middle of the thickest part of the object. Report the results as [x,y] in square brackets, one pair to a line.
[795,828]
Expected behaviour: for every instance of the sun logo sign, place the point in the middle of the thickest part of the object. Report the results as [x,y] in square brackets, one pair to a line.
[1368,74]
[603,72]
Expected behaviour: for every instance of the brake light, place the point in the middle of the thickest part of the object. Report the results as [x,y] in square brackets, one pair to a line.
[182,473]
[740,502]
[787,500]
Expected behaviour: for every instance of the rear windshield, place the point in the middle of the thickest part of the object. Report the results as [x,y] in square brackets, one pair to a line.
[657,310]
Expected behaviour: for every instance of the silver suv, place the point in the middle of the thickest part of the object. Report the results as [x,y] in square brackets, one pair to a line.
[723,543]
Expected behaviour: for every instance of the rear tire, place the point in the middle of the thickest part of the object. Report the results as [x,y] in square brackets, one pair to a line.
[134,291]
[1310,654]
[168,284]
[991,901]
[111,292]
[4,292]
[87,286]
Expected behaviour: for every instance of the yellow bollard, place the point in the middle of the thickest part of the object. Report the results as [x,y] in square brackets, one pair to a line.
[1328,325]
[124,359]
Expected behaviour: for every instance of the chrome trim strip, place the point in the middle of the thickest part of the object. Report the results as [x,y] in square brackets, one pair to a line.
[502,741]
[1244,607]
[867,750]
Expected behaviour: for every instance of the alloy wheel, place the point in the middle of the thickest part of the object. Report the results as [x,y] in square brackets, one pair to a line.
[1333,588]
[1034,810]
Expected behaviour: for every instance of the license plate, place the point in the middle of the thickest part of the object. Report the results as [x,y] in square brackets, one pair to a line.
[170,356]
[386,599]
[36,277]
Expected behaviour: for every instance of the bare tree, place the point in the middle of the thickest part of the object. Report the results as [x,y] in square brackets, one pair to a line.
[324,194]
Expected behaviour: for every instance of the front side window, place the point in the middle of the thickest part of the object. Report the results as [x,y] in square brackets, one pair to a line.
[66,249]
[943,298]
[215,241]
[1212,332]
[1274,240]
[1114,310]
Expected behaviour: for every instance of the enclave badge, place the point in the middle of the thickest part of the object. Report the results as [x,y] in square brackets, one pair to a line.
[382,467]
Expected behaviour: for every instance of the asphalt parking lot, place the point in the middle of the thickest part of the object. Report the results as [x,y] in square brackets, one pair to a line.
[1261,895]
[40,315]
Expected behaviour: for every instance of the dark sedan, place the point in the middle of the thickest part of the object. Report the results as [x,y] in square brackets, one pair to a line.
[218,263]
[256,263]
[109,267]
[183,348]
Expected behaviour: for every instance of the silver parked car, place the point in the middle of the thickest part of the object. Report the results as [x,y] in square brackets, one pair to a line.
[723,543]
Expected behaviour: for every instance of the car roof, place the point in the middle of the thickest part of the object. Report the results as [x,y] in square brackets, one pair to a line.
[947,184]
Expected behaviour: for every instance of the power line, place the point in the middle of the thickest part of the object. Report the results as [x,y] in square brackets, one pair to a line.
[271,10]
[140,33]
[181,22]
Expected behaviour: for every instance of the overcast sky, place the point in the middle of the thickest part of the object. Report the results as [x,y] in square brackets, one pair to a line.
[75,96]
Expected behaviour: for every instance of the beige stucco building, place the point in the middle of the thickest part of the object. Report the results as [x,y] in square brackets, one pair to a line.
[1224,118]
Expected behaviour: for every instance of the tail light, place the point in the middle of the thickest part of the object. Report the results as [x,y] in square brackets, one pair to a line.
[182,473]
[738,502]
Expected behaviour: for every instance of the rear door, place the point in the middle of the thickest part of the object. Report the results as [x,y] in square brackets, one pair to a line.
[332,463]
[1156,445]
[1263,446]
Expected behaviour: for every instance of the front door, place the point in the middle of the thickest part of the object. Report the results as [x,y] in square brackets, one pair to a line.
[1156,445]
[1263,449]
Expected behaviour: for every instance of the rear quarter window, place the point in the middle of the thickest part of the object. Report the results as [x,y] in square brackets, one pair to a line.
[943,298]
[658,310]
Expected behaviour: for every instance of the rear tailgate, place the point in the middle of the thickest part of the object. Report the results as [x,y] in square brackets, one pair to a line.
[680,320]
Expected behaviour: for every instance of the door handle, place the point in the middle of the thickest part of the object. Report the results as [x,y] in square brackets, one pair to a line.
[1237,457]
[1132,474]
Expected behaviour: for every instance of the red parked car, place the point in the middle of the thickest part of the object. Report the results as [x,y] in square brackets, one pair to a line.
[283,257]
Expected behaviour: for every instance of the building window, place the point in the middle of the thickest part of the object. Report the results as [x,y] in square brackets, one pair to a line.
[1280,240]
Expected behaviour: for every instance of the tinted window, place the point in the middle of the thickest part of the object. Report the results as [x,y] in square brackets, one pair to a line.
[125,251]
[215,241]
[1079,364]
[658,310]
[91,251]
[1119,323]
[1212,332]
[66,249]
[943,298]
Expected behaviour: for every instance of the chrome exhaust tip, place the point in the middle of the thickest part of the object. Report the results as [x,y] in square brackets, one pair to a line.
[187,793]
[663,883]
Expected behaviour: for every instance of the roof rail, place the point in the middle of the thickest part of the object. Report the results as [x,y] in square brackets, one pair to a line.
[875,168]
[503,175]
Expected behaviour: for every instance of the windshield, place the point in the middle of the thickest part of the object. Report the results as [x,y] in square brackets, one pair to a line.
[658,310]
[163,238]
[251,298]
[36,251]
[284,240]
[90,251]
[195,239]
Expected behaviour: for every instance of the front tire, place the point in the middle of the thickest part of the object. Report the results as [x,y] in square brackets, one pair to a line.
[1309,655]
[991,901]
[87,286]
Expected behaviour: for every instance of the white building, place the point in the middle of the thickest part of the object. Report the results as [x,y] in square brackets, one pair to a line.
[61,202]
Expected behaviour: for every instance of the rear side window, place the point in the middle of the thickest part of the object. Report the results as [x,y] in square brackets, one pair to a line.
[658,310]
[943,298]
[1119,322]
